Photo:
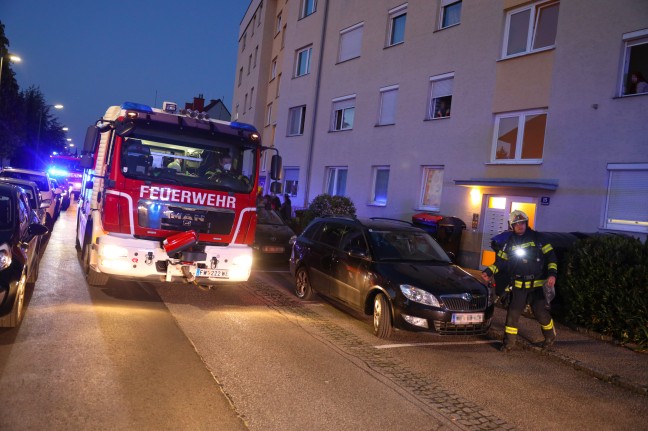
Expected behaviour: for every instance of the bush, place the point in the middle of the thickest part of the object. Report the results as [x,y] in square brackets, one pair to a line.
[324,205]
[605,288]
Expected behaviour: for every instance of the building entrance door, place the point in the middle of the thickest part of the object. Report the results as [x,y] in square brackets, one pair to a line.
[498,208]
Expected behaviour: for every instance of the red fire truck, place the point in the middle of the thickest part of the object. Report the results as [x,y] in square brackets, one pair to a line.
[169,196]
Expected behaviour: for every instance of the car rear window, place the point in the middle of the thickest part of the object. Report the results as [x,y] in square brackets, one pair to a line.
[41,180]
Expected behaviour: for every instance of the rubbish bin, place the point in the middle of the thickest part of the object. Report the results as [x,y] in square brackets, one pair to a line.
[427,222]
[448,235]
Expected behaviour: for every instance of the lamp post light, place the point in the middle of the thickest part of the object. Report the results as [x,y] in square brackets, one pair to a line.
[12,57]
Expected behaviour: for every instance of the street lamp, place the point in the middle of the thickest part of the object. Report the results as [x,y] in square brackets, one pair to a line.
[40,122]
[12,57]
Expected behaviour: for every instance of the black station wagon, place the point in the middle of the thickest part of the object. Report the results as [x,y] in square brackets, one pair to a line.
[19,230]
[393,270]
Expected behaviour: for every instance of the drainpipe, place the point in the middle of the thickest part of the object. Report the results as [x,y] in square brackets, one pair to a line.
[311,144]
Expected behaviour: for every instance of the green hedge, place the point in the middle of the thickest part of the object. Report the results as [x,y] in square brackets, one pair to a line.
[604,287]
[323,205]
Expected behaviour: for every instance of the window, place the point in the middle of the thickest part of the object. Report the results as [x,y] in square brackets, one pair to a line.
[252,25]
[245,103]
[396,31]
[256,55]
[380,180]
[269,114]
[627,197]
[336,180]
[635,63]
[278,24]
[240,80]
[431,187]
[519,137]
[450,13]
[251,97]
[278,84]
[387,111]
[273,69]
[531,28]
[350,43]
[243,42]
[283,37]
[440,100]
[291,185]
[260,15]
[296,118]
[343,113]
[249,64]
[308,7]
[302,63]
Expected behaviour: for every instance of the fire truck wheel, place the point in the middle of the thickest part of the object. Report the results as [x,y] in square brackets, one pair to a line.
[93,277]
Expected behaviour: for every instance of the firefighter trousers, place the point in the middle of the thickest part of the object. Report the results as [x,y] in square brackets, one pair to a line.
[520,297]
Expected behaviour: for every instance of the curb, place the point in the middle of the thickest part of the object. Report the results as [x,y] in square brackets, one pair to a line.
[614,379]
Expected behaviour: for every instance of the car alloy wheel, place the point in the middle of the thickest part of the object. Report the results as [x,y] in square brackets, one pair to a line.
[303,288]
[382,317]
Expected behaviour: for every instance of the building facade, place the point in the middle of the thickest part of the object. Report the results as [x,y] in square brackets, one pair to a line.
[465,108]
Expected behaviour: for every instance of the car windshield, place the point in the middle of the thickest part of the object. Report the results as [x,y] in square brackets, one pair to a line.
[41,180]
[265,216]
[194,162]
[5,212]
[406,245]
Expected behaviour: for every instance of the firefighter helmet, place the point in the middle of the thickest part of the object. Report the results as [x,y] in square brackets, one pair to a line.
[518,216]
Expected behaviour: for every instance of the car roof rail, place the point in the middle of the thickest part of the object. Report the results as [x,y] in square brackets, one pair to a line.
[392,219]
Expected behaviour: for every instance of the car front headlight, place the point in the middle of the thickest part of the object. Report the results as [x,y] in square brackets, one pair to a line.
[419,295]
[5,259]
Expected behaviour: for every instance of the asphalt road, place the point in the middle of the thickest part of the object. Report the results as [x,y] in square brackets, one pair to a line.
[252,356]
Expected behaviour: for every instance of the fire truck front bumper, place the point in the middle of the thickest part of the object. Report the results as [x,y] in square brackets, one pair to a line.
[134,258]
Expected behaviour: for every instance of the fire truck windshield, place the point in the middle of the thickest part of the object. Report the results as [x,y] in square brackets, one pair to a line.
[204,164]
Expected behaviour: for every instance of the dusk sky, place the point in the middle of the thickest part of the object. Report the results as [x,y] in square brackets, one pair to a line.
[88,55]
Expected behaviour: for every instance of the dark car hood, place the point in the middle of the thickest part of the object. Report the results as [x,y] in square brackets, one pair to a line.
[436,278]
[265,232]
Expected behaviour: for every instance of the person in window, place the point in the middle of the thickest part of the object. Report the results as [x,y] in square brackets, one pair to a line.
[175,164]
[532,266]
[638,83]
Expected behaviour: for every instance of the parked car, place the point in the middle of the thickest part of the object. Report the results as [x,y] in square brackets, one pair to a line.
[393,270]
[272,241]
[46,190]
[38,208]
[18,252]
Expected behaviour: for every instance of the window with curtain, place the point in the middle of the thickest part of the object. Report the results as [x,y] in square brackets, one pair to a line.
[350,42]
[531,28]
[380,175]
[627,197]
[431,188]
[387,111]
[450,13]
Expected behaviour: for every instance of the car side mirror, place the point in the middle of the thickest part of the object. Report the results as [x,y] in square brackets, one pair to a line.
[35,229]
[276,187]
[47,202]
[44,205]
[358,253]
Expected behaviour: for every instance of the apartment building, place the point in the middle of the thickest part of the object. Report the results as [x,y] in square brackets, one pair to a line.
[466,108]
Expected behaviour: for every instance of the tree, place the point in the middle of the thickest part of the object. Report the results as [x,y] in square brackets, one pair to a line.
[11,107]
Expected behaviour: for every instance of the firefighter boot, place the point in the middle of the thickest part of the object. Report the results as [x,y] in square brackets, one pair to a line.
[509,342]
[550,337]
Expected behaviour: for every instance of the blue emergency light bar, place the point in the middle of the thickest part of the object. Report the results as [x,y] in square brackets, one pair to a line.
[139,107]
[244,126]
[57,172]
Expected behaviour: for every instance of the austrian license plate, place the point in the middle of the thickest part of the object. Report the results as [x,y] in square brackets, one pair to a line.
[212,273]
[467,318]
[272,249]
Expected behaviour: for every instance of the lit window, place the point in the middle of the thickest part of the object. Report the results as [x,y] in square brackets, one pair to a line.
[396,31]
[531,28]
[343,113]
[627,197]
[431,187]
[308,7]
[379,184]
[302,63]
[519,137]
[634,76]
[450,13]
[440,98]
[336,180]
[350,42]
[387,112]
[296,117]
[291,183]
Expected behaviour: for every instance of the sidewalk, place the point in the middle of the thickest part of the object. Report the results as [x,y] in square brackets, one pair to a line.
[589,353]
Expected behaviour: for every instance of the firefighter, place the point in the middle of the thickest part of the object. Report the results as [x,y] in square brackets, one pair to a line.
[531,263]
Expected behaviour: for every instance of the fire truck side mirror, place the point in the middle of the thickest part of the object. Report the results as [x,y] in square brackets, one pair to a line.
[91,138]
[275,167]
[275,187]
[86,161]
